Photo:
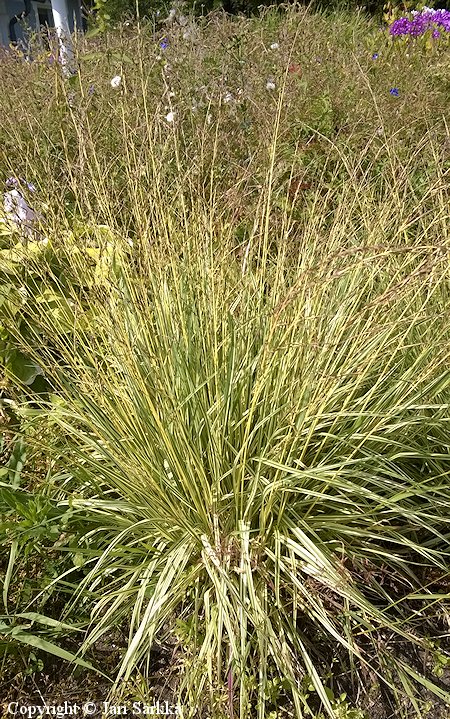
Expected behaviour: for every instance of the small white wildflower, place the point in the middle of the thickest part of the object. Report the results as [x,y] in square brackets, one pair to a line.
[170,94]
[228,97]
[116,82]
[170,116]
[209,118]
[158,57]
[274,46]
[270,85]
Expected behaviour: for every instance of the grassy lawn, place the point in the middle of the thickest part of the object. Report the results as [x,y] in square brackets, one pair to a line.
[225,392]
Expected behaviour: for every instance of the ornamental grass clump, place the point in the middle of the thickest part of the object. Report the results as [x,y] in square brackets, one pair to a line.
[242,341]
[259,448]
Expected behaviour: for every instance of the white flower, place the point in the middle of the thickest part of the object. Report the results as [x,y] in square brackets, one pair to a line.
[274,46]
[170,116]
[228,97]
[209,118]
[270,85]
[116,82]
[171,94]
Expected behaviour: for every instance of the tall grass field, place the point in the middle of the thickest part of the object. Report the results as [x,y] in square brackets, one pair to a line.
[225,353]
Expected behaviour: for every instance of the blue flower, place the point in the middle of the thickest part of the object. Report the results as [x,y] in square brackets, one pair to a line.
[394,91]
[164,44]
[375,56]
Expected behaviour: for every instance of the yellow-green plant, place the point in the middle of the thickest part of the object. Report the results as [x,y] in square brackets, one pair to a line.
[266,449]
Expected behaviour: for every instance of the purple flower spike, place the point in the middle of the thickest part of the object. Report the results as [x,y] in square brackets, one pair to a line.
[164,44]
[394,91]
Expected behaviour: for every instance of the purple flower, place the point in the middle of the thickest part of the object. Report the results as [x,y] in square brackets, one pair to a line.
[394,91]
[164,44]
[435,20]
[375,56]
[91,89]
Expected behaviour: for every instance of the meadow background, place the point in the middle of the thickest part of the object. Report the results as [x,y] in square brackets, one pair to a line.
[225,398]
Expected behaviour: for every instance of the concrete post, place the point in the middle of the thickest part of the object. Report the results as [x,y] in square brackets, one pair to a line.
[61,20]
